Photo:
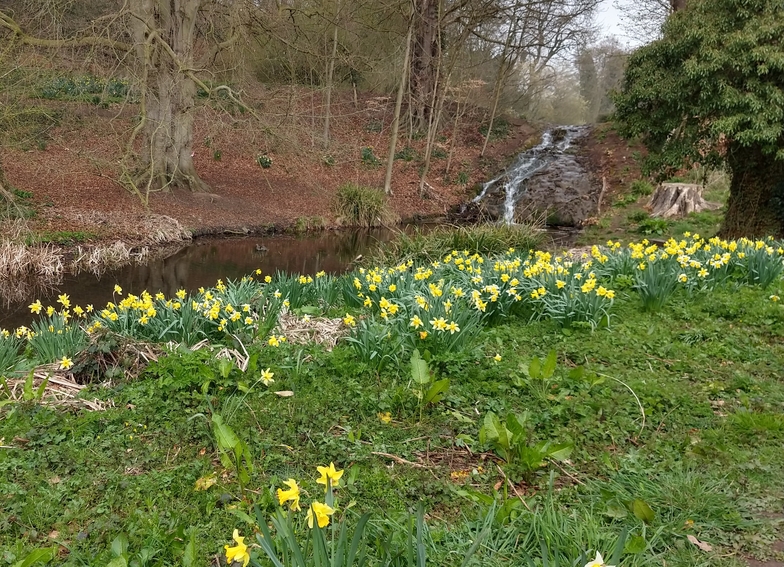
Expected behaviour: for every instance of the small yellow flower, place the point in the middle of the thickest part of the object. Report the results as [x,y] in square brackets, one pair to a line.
[384,417]
[117,289]
[423,335]
[266,377]
[416,322]
[267,279]
[497,357]
[36,307]
[239,552]
[683,278]
[349,320]
[560,284]
[774,298]
[66,363]
[292,494]
[322,513]
[329,473]
[181,293]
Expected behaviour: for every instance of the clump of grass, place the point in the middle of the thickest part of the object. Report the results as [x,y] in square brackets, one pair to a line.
[641,188]
[486,239]
[358,205]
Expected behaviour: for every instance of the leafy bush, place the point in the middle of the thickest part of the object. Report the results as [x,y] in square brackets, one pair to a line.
[358,205]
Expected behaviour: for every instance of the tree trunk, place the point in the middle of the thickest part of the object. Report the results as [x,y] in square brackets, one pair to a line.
[164,31]
[756,204]
[330,73]
[424,56]
[396,120]
[679,200]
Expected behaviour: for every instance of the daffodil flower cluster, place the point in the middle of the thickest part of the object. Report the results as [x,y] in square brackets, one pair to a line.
[318,513]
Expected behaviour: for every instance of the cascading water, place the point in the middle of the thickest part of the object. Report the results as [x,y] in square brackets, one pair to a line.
[555,141]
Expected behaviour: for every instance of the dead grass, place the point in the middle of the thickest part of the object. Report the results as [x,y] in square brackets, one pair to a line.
[61,390]
[303,330]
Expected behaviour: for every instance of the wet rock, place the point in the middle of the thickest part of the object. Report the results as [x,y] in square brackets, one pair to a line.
[551,180]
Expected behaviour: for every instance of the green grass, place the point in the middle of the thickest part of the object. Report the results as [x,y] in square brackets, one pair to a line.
[705,460]
[357,205]
[65,237]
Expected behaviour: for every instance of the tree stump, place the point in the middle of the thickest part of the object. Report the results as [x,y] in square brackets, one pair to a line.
[678,200]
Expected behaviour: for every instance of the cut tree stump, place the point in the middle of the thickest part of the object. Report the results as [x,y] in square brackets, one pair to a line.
[678,200]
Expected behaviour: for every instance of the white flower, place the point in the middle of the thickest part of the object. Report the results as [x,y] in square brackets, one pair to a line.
[598,562]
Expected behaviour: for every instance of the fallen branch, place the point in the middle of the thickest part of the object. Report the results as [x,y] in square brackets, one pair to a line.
[400,460]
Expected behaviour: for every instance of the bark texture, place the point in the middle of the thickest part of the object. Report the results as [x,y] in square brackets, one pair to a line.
[165,32]
[424,61]
[756,204]
[678,200]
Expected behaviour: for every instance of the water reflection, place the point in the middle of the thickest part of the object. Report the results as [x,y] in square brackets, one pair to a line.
[205,261]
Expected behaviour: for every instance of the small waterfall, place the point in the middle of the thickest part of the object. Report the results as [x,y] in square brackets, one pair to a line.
[555,141]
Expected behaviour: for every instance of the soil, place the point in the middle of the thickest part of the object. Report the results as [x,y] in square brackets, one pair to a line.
[72,172]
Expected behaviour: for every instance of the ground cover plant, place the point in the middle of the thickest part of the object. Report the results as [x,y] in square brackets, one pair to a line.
[522,408]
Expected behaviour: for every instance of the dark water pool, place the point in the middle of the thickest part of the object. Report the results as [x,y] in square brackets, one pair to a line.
[204,261]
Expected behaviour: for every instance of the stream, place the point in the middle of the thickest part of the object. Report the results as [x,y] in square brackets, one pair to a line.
[203,262]
[546,179]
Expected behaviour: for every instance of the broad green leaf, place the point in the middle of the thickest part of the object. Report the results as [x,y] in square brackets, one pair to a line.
[39,394]
[224,434]
[642,511]
[549,364]
[419,370]
[577,373]
[635,544]
[120,545]
[44,555]
[27,389]
[436,392]
[535,368]
[560,452]
[516,425]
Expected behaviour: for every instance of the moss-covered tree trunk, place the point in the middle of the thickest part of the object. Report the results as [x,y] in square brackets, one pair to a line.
[165,34]
[756,204]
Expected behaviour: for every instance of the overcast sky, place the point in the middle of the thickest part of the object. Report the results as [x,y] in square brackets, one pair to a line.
[609,19]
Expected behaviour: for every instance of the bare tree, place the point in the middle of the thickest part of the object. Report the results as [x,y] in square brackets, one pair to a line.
[165,37]
[643,19]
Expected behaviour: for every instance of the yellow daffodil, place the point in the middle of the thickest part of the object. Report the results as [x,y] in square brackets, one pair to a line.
[384,417]
[266,377]
[329,473]
[423,335]
[322,513]
[597,562]
[416,322]
[497,357]
[117,289]
[292,494]
[349,320]
[66,363]
[36,307]
[239,552]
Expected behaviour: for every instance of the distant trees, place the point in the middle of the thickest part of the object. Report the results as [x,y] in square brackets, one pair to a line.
[600,68]
[178,53]
[712,91]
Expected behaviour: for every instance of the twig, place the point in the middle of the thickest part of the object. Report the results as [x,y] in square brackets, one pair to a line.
[399,460]
[563,470]
[625,385]
[513,487]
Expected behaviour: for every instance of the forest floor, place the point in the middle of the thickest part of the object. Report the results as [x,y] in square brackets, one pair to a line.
[69,168]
